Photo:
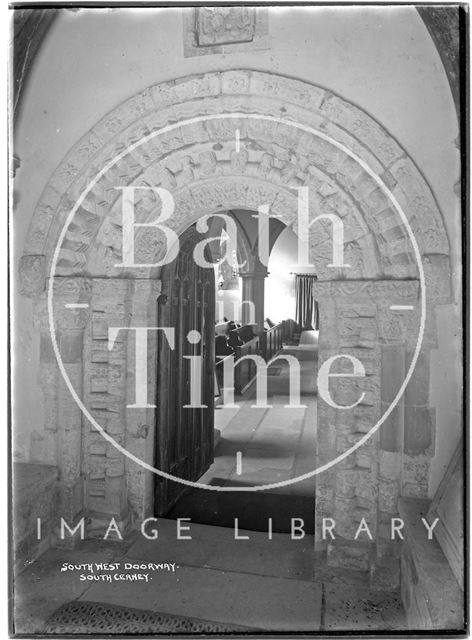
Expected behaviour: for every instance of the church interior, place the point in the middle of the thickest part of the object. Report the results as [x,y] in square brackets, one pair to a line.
[292,513]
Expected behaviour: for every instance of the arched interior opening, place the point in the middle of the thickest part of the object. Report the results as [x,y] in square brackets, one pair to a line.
[280,292]
[247,432]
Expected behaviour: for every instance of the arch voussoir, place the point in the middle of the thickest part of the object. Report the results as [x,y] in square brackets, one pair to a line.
[273,152]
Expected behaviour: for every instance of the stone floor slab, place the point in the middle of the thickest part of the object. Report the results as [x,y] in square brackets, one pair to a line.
[289,559]
[356,609]
[276,444]
[268,603]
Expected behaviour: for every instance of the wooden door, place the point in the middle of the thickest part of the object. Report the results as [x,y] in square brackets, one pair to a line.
[185,436]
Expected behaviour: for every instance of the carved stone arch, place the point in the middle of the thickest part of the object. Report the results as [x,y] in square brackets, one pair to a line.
[276,158]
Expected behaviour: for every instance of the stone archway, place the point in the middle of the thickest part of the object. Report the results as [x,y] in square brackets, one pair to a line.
[200,166]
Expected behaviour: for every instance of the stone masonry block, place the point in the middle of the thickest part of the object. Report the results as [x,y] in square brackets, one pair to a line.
[393,371]
[415,477]
[389,491]
[385,574]
[391,431]
[417,391]
[46,351]
[71,347]
[419,430]
[32,274]
[390,465]
[346,480]
[349,555]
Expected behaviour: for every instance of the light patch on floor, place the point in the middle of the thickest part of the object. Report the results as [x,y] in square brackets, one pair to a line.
[278,443]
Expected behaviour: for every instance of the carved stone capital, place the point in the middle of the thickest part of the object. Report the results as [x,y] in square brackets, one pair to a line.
[109,290]
[75,289]
[254,275]
[66,318]
[381,292]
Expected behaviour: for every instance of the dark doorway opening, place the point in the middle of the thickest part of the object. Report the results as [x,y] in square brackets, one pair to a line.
[274,444]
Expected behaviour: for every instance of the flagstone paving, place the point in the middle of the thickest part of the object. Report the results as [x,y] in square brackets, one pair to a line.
[272,585]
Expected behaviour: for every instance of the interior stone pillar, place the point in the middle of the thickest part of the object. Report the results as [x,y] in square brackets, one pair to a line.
[356,319]
[253,291]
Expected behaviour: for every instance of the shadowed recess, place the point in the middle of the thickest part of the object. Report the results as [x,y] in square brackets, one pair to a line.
[253,510]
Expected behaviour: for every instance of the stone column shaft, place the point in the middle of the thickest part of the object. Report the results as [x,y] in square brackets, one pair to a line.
[253,291]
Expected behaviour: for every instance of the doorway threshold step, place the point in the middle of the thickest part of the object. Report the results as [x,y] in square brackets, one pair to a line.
[216,548]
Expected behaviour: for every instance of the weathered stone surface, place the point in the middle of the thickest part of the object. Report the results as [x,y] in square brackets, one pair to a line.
[210,30]
[438,278]
[346,483]
[415,477]
[34,487]
[393,371]
[419,430]
[419,206]
[43,447]
[32,274]
[389,491]
[417,390]
[385,574]
[41,222]
[390,465]
[349,555]
[71,347]
[392,429]
[357,610]
[367,483]
[270,88]
[431,596]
